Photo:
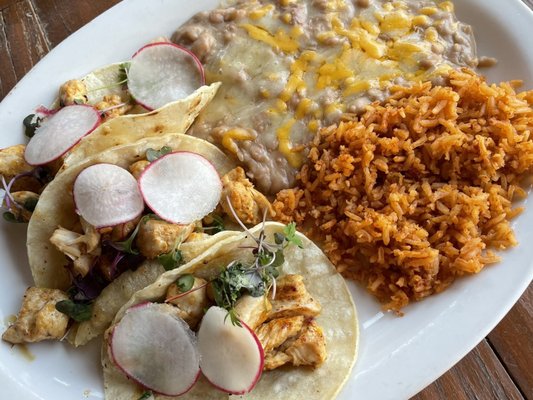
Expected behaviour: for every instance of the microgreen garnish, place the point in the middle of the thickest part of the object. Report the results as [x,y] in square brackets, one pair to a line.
[256,278]
[290,237]
[77,311]
[152,155]
[31,123]
[216,226]
[185,283]
[126,246]
[10,217]
[123,72]
[122,78]
[146,395]
[41,174]
[171,260]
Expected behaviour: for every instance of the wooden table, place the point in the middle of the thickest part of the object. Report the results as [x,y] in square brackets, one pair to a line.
[500,367]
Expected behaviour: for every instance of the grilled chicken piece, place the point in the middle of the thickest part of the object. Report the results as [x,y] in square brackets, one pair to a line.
[248,203]
[81,248]
[275,359]
[192,305]
[12,161]
[73,92]
[112,106]
[159,237]
[122,231]
[309,348]
[292,341]
[38,318]
[138,167]
[293,299]
[197,236]
[274,333]
[253,311]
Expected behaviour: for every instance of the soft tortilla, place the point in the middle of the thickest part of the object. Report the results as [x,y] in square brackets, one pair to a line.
[118,292]
[338,320]
[175,117]
[56,207]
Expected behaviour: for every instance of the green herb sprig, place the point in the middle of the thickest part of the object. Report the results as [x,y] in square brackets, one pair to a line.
[31,123]
[171,260]
[152,155]
[77,311]
[216,226]
[126,246]
[146,395]
[10,217]
[256,278]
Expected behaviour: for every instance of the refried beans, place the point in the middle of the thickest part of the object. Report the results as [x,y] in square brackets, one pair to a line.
[289,68]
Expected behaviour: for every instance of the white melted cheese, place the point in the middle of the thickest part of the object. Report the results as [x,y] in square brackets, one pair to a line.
[290,67]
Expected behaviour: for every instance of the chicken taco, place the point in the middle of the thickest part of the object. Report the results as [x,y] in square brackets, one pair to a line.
[270,283]
[111,106]
[99,262]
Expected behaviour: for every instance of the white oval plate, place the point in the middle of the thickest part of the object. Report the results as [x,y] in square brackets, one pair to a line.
[398,356]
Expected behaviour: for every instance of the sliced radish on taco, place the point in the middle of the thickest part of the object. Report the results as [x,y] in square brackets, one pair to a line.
[107,195]
[160,73]
[156,348]
[232,357]
[60,132]
[181,187]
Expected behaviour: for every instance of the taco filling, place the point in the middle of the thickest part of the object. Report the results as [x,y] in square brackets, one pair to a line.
[114,105]
[269,286]
[102,240]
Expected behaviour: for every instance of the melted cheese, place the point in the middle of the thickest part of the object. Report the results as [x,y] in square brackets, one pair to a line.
[295,159]
[279,41]
[229,137]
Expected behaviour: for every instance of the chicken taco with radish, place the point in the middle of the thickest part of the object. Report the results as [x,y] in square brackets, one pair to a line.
[113,223]
[160,90]
[262,314]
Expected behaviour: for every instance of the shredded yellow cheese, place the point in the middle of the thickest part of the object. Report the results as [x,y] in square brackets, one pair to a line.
[229,137]
[279,41]
[284,139]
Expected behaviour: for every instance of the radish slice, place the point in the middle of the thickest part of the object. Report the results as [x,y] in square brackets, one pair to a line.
[160,73]
[181,187]
[232,357]
[107,195]
[60,132]
[156,348]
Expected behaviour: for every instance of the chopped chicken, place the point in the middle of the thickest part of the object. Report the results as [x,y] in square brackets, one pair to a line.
[112,106]
[38,318]
[25,204]
[292,298]
[253,311]
[292,340]
[73,92]
[274,333]
[157,237]
[291,335]
[192,305]
[122,231]
[138,167]
[12,161]
[76,246]
[248,203]
[197,236]
[310,346]
[82,265]
[275,359]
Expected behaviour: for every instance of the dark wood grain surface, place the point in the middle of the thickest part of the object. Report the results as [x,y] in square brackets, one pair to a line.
[500,367]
